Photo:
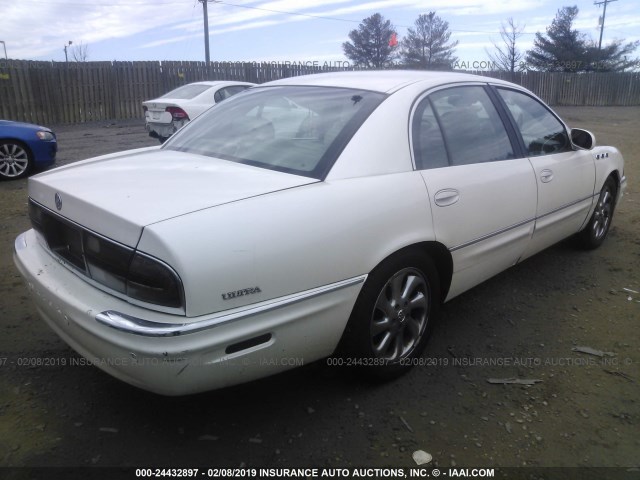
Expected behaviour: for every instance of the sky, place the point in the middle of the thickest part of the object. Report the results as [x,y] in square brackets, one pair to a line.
[275,30]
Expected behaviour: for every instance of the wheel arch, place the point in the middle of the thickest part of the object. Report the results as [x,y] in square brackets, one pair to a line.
[440,256]
[22,143]
[616,177]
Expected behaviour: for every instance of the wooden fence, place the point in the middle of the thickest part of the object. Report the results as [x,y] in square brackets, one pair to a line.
[578,89]
[55,93]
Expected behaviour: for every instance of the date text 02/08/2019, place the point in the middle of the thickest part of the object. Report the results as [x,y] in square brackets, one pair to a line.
[316,472]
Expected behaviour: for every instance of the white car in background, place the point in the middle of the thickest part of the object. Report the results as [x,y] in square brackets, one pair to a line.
[170,112]
[310,215]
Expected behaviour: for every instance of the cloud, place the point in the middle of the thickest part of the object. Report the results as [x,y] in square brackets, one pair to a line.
[150,28]
[52,24]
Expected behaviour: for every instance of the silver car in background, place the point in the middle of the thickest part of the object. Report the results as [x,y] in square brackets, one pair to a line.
[170,112]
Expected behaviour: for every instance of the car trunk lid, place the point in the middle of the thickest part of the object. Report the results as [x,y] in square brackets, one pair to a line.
[118,196]
[159,111]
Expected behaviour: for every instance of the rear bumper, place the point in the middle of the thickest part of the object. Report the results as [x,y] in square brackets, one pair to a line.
[180,355]
[164,130]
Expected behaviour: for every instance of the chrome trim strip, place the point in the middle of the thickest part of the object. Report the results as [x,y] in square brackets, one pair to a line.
[519,224]
[568,205]
[138,326]
[493,234]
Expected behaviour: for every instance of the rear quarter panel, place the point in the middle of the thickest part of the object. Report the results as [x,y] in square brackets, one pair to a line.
[292,240]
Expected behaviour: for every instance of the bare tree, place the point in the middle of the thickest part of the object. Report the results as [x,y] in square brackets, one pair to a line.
[507,57]
[80,52]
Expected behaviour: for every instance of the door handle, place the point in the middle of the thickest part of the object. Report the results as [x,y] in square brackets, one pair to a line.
[446,197]
[546,175]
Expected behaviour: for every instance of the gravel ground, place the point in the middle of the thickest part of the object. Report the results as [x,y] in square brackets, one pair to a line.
[584,412]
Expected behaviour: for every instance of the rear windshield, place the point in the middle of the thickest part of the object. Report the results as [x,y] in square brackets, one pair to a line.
[299,130]
[186,92]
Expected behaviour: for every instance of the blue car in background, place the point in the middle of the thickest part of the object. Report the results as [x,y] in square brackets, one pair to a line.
[23,147]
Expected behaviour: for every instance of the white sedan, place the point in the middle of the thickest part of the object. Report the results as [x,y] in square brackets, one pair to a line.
[309,216]
[170,112]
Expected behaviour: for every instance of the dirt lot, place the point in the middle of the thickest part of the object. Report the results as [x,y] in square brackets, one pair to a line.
[583,413]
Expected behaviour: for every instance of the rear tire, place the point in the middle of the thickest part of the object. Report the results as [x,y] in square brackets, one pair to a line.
[393,316]
[596,230]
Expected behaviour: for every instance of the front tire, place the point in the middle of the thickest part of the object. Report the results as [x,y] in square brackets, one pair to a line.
[16,160]
[596,230]
[393,316]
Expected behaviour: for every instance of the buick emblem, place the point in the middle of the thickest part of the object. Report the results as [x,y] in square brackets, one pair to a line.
[58,200]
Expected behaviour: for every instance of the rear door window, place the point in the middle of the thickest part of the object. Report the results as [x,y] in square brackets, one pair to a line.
[429,150]
[472,128]
[227,92]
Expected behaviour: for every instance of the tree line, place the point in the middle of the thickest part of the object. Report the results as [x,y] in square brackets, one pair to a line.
[428,45]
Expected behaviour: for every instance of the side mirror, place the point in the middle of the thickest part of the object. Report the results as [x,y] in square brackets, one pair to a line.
[583,139]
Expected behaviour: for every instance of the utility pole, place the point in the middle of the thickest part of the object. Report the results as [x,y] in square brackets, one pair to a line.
[5,49]
[604,13]
[206,27]
[66,45]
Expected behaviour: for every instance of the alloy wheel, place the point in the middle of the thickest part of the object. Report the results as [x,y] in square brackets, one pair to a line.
[14,160]
[400,315]
[602,214]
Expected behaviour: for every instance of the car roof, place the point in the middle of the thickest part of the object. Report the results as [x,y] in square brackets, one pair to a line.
[217,83]
[384,81]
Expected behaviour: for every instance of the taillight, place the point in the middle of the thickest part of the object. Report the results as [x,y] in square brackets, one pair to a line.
[177,113]
[117,267]
[150,280]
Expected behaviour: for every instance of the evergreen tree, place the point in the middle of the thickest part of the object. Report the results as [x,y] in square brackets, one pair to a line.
[614,57]
[427,45]
[372,43]
[564,49]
